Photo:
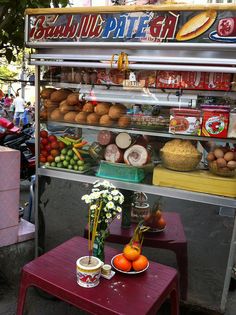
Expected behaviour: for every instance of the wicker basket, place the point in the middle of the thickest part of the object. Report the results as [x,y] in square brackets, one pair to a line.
[224,172]
[179,162]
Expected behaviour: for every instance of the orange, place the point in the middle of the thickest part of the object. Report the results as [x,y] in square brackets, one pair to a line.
[140,263]
[131,252]
[161,223]
[122,263]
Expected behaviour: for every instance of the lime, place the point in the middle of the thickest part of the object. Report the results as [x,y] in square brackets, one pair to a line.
[70,167]
[70,153]
[80,163]
[53,164]
[62,157]
[47,164]
[72,162]
[65,163]
[81,168]
[75,167]
[57,159]
[75,157]
[59,165]
[64,151]
[67,158]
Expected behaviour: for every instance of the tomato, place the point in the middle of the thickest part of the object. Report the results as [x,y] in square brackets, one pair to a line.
[44,153]
[44,141]
[52,138]
[48,147]
[131,252]
[140,263]
[50,159]
[41,146]
[55,144]
[122,263]
[55,152]
[61,145]
[42,159]
[43,134]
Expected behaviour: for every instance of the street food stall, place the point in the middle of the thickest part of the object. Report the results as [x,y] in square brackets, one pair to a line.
[145,97]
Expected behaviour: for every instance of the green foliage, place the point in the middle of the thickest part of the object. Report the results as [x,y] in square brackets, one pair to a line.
[12,24]
[7,74]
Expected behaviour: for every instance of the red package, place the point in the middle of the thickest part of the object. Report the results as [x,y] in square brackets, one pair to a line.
[217,81]
[110,76]
[215,123]
[192,80]
[168,80]
[146,78]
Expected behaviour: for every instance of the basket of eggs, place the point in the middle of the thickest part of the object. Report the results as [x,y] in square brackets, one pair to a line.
[222,161]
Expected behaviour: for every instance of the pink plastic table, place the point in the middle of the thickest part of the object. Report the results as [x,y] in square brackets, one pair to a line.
[172,238]
[55,273]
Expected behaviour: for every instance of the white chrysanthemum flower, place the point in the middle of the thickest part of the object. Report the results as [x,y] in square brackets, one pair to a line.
[95,190]
[116,198]
[93,207]
[87,199]
[84,197]
[108,215]
[115,192]
[106,184]
[95,195]
[118,217]
[96,184]
[121,199]
[119,209]
[109,198]
[110,205]
[106,220]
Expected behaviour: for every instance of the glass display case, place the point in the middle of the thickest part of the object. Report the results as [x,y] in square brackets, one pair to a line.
[140,97]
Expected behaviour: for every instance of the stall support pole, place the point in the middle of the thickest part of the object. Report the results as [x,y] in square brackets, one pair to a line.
[229,267]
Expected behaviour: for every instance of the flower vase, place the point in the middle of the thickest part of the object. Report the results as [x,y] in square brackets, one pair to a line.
[98,248]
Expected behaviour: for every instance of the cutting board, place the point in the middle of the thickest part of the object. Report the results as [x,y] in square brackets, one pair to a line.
[199,181]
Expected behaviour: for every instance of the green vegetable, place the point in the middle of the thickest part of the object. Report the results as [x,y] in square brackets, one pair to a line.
[70,153]
[53,164]
[67,158]
[65,163]
[62,157]
[60,165]
[57,159]
[75,167]
[70,167]
[64,151]
[75,157]
[72,162]
[47,164]
[81,168]
[80,162]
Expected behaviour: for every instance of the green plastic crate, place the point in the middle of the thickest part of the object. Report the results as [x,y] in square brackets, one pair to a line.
[120,171]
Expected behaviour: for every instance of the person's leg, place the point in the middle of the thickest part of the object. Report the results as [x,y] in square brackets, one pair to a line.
[16,119]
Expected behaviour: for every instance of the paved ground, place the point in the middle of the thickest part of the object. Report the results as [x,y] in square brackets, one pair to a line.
[207,253]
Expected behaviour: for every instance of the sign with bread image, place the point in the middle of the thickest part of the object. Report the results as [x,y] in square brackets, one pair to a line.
[172,26]
[197,25]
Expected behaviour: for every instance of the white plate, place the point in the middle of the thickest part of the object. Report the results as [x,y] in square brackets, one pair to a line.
[127,272]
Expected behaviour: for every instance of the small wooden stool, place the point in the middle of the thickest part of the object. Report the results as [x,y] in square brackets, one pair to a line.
[143,293]
[172,238]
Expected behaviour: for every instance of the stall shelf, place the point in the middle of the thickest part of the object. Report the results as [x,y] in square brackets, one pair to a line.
[153,38]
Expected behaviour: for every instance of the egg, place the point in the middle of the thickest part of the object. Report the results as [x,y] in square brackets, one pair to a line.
[218,153]
[221,162]
[210,156]
[231,165]
[229,156]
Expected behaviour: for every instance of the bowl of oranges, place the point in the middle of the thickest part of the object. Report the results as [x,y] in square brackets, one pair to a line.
[131,261]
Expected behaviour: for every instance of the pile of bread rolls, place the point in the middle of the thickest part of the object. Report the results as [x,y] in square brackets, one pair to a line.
[64,105]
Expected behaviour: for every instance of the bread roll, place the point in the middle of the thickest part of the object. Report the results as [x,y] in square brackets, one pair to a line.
[70,116]
[66,108]
[93,119]
[50,104]
[46,92]
[81,118]
[116,111]
[106,120]
[124,121]
[56,115]
[88,107]
[102,108]
[59,95]
[73,99]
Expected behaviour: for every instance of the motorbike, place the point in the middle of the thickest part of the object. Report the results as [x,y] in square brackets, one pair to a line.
[19,139]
